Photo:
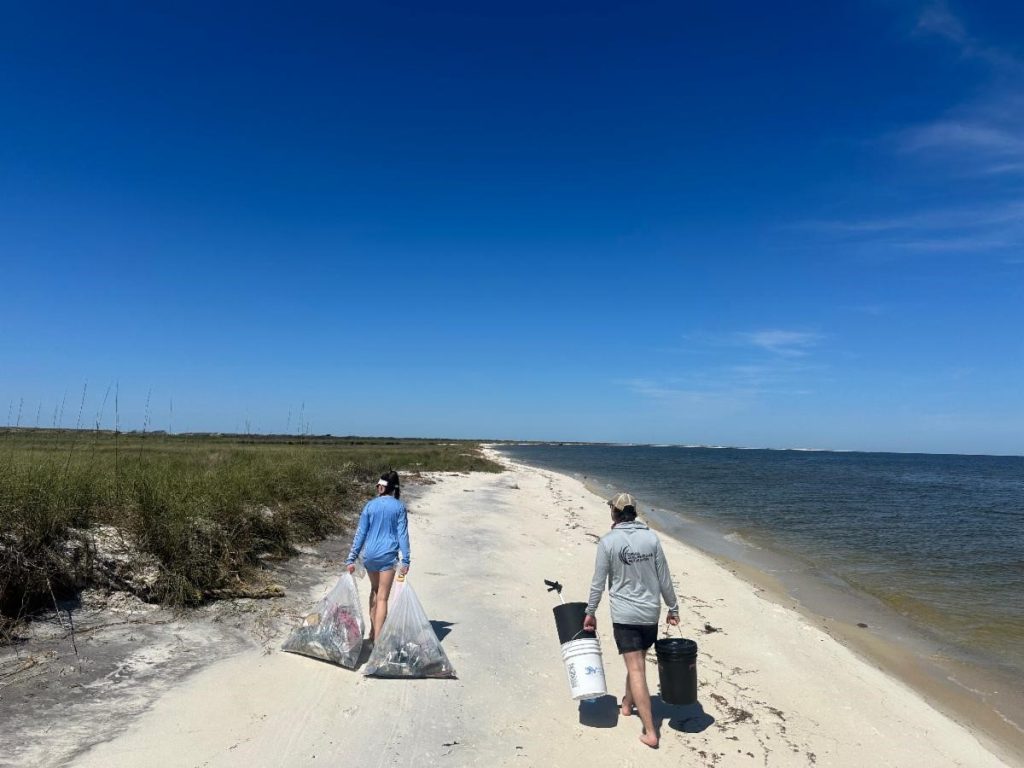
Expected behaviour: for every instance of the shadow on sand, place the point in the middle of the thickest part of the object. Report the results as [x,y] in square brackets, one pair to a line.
[364,655]
[603,712]
[689,719]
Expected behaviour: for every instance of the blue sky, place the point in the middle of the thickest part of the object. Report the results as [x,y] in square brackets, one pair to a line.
[765,225]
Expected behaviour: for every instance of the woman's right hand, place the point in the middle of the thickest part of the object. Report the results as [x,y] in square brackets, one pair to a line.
[351,567]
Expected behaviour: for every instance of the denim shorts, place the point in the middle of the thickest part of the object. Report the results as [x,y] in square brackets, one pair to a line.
[380,563]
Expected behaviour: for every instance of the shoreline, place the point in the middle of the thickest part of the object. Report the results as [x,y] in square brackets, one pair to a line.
[957,688]
[893,644]
[774,689]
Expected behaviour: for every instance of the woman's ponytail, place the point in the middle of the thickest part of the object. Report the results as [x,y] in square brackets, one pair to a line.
[391,478]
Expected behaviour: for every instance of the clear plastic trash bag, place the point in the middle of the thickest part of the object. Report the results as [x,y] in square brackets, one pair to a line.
[408,645]
[360,571]
[334,630]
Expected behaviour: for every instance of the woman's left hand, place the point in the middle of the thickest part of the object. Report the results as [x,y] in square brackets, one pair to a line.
[403,569]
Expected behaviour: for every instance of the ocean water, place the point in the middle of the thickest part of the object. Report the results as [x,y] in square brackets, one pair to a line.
[937,539]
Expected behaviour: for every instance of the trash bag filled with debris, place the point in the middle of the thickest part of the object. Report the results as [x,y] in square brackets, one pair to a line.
[334,630]
[408,646]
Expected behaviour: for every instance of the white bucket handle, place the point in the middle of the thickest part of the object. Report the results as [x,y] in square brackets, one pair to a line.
[575,636]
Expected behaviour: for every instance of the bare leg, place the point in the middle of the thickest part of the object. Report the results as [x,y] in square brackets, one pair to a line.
[627,698]
[379,609]
[374,577]
[637,675]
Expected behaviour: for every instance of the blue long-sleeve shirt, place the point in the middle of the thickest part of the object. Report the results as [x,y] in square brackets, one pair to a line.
[383,532]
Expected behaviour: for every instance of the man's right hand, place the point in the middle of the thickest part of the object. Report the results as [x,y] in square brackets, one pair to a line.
[672,619]
[589,623]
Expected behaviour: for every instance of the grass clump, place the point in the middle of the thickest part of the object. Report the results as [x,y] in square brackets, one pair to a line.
[200,510]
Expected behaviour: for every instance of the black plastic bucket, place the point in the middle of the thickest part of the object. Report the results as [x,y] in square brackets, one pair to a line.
[677,670]
[569,622]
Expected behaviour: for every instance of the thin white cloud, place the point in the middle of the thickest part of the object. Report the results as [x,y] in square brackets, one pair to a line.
[956,244]
[985,136]
[742,383]
[969,136]
[782,342]
[676,392]
[874,310]
[788,343]
[940,219]
[704,400]
[968,229]
[937,19]
[1005,168]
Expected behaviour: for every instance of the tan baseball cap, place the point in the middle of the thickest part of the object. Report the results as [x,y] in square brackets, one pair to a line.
[622,501]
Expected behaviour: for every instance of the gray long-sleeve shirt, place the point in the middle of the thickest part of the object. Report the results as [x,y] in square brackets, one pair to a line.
[632,563]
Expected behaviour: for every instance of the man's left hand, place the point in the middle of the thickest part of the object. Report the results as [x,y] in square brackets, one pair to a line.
[672,619]
[589,623]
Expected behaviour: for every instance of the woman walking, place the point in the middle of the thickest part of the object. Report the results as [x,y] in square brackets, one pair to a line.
[382,534]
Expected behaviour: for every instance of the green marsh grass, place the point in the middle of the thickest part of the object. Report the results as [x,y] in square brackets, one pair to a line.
[206,507]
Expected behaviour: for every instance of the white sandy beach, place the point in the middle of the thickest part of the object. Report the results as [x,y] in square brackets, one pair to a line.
[775,691]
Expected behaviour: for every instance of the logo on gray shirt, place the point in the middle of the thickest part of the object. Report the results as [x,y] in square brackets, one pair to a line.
[629,557]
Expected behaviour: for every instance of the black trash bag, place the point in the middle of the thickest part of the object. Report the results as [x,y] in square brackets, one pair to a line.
[408,645]
[334,630]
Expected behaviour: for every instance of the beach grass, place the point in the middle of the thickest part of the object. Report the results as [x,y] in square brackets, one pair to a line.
[202,509]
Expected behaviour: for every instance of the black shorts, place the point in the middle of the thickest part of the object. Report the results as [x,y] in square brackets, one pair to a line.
[634,637]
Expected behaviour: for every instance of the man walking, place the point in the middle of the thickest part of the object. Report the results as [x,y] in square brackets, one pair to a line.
[632,563]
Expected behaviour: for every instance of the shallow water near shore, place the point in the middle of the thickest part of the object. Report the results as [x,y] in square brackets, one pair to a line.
[924,549]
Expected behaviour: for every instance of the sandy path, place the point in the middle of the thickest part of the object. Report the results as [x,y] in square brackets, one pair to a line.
[774,690]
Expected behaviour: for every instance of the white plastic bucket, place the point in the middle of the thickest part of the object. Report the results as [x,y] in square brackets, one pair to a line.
[584,667]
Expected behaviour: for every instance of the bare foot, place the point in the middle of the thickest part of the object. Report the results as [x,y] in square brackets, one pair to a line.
[650,739]
[626,709]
